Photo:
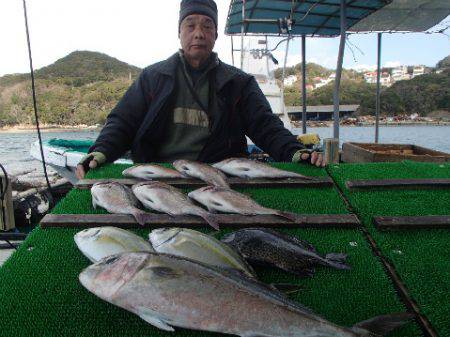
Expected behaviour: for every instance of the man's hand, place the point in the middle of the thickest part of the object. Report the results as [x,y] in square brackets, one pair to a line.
[89,161]
[315,158]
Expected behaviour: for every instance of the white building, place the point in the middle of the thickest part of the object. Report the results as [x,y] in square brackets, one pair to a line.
[400,73]
[324,81]
[371,78]
[290,80]
[418,70]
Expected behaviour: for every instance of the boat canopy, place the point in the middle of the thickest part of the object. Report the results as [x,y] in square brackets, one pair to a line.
[306,17]
[405,16]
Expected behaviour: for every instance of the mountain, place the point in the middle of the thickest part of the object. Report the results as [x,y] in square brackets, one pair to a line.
[86,67]
[444,63]
[80,88]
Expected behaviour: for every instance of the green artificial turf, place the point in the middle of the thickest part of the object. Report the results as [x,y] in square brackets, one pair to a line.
[41,295]
[421,257]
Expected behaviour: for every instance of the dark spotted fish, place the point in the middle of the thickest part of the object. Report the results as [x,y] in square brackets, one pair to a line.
[262,246]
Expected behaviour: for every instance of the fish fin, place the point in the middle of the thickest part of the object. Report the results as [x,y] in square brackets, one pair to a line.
[290,216]
[141,217]
[152,317]
[337,260]
[211,220]
[298,175]
[305,272]
[287,288]
[381,325]
[94,202]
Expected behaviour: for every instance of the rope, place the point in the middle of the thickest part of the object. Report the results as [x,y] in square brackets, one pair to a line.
[34,102]
[3,194]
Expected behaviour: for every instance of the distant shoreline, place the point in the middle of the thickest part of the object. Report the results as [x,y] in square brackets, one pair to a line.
[62,128]
[295,124]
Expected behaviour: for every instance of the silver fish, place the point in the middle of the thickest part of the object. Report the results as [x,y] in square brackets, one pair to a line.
[229,201]
[167,291]
[151,171]
[167,199]
[117,199]
[202,171]
[199,247]
[246,168]
[100,242]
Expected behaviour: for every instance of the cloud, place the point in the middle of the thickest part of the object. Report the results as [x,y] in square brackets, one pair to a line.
[392,64]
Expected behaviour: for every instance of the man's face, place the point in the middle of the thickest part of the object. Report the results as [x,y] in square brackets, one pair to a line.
[197,37]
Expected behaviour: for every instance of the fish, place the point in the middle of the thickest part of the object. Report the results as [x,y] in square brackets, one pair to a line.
[202,171]
[263,246]
[117,199]
[164,198]
[250,169]
[151,171]
[169,291]
[204,248]
[100,242]
[229,201]
[199,247]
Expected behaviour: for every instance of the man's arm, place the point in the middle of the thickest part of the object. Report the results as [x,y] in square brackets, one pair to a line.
[120,128]
[123,122]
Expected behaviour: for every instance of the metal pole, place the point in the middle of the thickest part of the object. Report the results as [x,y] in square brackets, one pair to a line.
[377,109]
[242,34]
[232,50]
[304,83]
[339,71]
[282,106]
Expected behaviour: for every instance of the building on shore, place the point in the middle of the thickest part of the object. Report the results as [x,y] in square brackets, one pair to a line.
[290,80]
[417,71]
[400,73]
[321,112]
[385,79]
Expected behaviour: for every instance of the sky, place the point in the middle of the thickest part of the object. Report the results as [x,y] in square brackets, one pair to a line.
[142,32]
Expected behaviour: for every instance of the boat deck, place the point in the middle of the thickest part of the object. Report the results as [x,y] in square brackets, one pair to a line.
[41,295]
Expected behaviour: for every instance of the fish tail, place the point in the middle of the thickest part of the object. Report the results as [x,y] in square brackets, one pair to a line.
[381,325]
[287,215]
[337,260]
[211,220]
[141,217]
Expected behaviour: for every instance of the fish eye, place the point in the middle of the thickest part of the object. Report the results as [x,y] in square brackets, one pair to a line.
[110,260]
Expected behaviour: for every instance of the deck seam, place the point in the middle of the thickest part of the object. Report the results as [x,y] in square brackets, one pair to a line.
[402,291]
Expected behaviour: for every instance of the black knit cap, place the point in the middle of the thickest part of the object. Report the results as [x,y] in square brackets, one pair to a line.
[204,7]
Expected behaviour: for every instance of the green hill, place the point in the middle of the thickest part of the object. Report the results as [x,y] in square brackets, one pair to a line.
[80,88]
[87,67]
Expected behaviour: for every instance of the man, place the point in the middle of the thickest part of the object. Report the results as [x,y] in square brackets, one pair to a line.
[193,106]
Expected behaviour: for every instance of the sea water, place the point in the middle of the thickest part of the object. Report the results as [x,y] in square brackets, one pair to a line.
[15,147]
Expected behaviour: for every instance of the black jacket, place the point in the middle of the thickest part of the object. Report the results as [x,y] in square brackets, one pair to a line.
[137,122]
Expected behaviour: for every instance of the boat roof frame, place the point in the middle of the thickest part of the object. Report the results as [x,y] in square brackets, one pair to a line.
[343,17]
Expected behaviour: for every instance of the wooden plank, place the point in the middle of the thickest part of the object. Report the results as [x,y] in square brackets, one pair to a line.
[234,182]
[412,222]
[369,152]
[227,220]
[352,153]
[398,183]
